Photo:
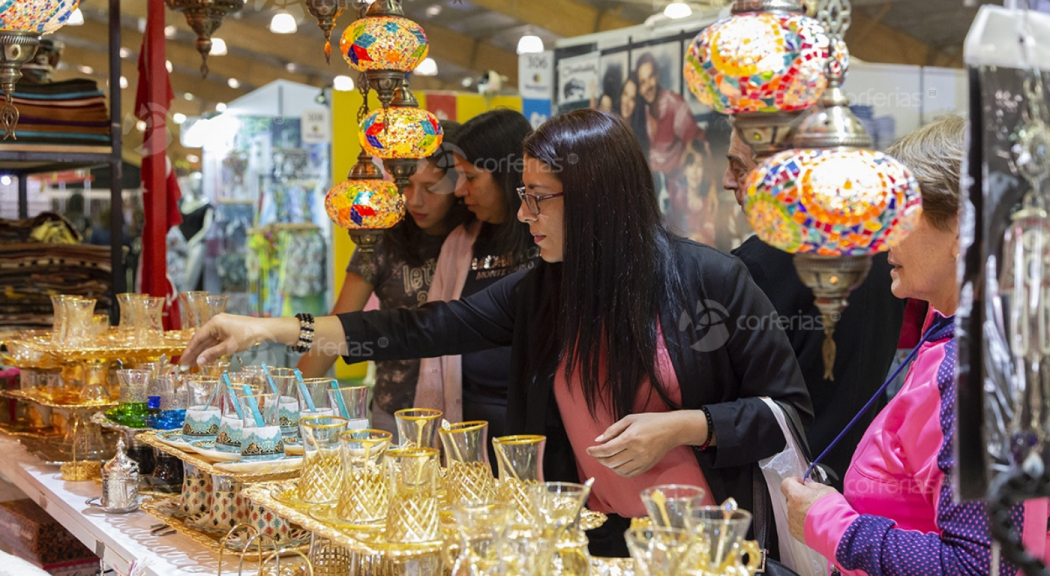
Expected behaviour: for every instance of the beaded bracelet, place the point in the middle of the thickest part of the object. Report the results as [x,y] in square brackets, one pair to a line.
[306,334]
[710,430]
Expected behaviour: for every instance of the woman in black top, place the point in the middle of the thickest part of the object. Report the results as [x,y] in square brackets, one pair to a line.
[589,319]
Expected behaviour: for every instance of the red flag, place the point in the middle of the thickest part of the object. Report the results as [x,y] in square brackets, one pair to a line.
[153,98]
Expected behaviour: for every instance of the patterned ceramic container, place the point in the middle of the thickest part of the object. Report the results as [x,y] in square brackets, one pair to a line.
[832,202]
[758,62]
[384,43]
[365,204]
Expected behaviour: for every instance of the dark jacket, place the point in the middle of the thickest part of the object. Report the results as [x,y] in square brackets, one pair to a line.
[865,336]
[719,365]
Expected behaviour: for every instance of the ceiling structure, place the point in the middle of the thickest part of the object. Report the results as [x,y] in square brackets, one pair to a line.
[467,37]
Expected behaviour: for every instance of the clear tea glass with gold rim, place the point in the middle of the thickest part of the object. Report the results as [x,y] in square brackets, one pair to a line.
[365,494]
[520,462]
[468,476]
[418,426]
[413,515]
[322,474]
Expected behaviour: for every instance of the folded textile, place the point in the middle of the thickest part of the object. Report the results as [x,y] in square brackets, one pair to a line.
[64,86]
[60,138]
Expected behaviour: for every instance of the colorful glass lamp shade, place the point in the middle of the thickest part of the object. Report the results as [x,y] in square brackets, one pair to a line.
[204,17]
[397,133]
[832,202]
[21,24]
[385,46]
[365,207]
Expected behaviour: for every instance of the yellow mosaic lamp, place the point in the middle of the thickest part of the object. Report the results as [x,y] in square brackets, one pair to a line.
[385,46]
[365,204]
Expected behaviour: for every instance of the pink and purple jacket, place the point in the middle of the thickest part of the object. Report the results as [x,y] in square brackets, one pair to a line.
[896,515]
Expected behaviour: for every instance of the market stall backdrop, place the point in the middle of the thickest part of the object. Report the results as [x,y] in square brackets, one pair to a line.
[634,71]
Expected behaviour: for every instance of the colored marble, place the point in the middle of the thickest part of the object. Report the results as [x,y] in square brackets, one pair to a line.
[365,205]
[384,43]
[400,132]
[832,202]
[758,62]
[40,16]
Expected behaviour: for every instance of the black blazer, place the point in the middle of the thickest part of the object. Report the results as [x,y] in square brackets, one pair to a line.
[719,361]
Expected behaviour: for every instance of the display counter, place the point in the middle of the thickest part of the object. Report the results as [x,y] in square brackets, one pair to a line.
[117,539]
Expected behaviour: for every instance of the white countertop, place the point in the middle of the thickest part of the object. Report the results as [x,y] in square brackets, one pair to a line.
[118,539]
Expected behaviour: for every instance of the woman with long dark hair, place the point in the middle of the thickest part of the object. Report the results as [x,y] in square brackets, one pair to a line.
[399,272]
[476,255]
[631,347]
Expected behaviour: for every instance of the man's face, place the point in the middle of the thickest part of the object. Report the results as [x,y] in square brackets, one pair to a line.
[647,78]
[741,164]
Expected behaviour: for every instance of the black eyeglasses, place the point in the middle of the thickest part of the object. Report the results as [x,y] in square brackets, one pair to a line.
[533,200]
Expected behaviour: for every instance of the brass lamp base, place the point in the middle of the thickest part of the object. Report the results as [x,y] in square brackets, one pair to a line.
[204,17]
[832,279]
[18,48]
[326,12]
[366,239]
[386,83]
[401,170]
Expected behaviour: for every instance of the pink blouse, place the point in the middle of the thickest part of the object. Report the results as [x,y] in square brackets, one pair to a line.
[613,493]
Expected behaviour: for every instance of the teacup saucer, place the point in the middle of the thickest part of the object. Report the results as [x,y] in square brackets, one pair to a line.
[207,449]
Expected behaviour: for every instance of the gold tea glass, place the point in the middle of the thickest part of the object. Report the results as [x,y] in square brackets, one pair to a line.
[285,381]
[413,515]
[261,437]
[723,534]
[468,474]
[149,319]
[662,551]
[322,473]
[520,463]
[481,527]
[350,402]
[79,321]
[669,505]
[213,306]
[191,304]
[129,309]
[556,510]
[417,427]
[365,494]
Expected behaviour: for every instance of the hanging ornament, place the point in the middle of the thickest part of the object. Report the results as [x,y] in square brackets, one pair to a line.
[384,45]
[21,24]
[326,12]
[204,18]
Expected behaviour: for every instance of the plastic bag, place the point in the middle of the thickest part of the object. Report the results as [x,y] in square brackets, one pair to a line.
[789,463]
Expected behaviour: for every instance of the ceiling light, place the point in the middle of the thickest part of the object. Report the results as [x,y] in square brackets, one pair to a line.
[466,82]
[218,47]
[678,9]
[283,23]
[142,25]
[167,64]
[188,96]
[428,67]
[193,158]
[5,180]
[178,117]
[434,10]
[123,82]
[76,18]
[86,69]
[124,52]
[220,107]
[140,125]
[343,83]
[233,83]
[169,31]
[291,67]
[530,44]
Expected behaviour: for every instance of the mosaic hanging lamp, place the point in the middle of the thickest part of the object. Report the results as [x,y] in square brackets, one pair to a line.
[326,12]
[21,25]
[204,18]
[764,65]
[832,201]
[365,204]
[385,46]
[401,135]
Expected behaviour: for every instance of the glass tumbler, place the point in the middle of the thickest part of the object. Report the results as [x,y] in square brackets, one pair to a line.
[413,515]
[520,463]
[261,437]
[322,473]
[417,427]
[365,494]
[468,476]
[351,402]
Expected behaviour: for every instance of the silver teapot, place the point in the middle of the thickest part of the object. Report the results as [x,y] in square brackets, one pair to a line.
[120,483]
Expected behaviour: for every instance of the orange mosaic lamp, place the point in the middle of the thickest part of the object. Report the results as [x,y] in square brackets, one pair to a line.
[365,204]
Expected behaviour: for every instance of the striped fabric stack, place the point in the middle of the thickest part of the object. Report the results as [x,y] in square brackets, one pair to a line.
[71,112]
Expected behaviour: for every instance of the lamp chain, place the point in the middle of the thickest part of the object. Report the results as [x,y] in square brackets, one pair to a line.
[362,87]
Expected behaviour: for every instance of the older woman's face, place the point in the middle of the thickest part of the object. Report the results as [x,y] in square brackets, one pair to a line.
[924,266]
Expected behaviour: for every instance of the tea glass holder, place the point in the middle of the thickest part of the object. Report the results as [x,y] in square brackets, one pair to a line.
[203,413]
[261,437]
[285,381]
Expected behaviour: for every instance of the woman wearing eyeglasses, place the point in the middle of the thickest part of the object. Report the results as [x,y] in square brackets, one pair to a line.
[476,255]
[630,347]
